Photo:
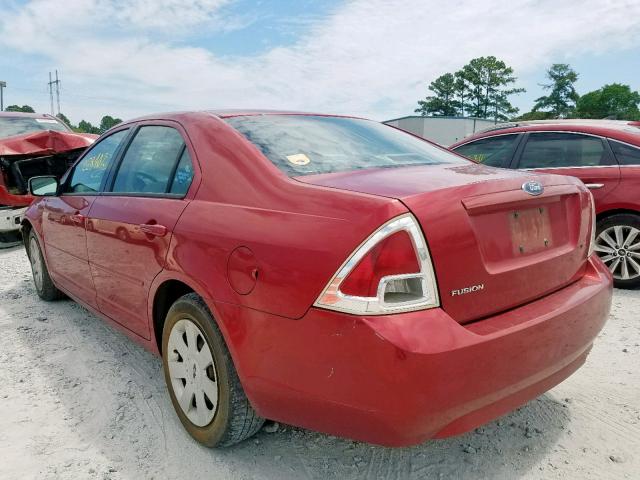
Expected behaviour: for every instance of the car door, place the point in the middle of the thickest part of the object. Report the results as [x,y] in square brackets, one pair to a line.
[587,157]
[132,222]
[495,151]
[64,218]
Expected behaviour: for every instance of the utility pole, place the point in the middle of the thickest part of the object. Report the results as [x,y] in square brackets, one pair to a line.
[58,91]
[51,92]
[2,86]
[51,83]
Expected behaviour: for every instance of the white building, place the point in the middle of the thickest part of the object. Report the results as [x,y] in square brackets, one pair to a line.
[442,130]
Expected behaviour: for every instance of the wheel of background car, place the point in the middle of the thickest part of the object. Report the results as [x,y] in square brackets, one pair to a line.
[41,279]
[618,245]
[203,384]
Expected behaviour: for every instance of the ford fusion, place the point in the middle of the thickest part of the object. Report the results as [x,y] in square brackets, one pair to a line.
[323,271]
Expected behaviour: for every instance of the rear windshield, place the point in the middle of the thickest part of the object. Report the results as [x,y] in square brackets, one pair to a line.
[306,145]
[10,126]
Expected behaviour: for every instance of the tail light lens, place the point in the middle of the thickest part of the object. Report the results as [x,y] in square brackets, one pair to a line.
[592,242]
[390,272]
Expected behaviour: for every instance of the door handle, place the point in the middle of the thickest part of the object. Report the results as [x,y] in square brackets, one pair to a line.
[594,186]
[78,218]
[153,229]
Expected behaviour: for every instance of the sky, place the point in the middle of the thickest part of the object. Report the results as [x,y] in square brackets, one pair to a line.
[373,58]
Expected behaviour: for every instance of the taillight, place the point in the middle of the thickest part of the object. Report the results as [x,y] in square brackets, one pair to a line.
[390,272]
[592,242]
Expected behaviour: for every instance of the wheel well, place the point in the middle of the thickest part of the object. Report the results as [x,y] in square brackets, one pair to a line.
[166,295]
[602,215]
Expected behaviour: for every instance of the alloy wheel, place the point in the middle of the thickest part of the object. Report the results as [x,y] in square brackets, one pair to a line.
[619,249]
[193,373]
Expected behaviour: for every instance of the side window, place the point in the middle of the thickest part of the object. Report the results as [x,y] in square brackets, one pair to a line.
[183,176]
[150,161]
[88,174]
[552,150]
[492,151]
[625,154]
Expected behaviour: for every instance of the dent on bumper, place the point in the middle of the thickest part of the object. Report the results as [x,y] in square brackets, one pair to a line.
[400,379]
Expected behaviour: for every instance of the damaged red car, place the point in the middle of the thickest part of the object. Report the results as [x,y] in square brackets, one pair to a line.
[323,271]
[30,145]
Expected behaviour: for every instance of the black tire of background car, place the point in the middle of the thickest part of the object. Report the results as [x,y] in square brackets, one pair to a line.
[625,219]
[235,419]
[48,291]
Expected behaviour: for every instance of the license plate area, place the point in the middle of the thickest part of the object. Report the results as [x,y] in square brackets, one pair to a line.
[531,230]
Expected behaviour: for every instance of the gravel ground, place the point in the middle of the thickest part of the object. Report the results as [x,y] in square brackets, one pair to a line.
[80,400]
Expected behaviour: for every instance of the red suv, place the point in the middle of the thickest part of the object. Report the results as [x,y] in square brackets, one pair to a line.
[604,154]
[328,272]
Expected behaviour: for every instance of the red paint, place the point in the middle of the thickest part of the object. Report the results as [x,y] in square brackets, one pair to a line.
[393,379]
[620,183]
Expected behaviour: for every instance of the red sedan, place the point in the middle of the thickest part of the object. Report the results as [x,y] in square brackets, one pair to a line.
[604,154]
[323,271]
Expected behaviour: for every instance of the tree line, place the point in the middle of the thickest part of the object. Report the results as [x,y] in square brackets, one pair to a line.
[83,126]
[482,89]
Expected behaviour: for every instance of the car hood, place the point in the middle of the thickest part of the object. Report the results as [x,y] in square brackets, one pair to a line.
[47,142]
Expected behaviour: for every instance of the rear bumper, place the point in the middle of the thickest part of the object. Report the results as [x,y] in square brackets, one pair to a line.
[401,379]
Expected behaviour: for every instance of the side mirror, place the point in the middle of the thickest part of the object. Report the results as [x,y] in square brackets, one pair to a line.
[46,186]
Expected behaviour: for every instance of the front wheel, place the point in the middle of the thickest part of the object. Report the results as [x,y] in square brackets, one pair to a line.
[203,384]
[618,245]
[45,288]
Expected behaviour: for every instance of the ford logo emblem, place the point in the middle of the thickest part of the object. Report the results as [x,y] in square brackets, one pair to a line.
[533,187]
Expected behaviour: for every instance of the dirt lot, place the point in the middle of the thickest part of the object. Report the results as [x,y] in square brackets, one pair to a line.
[80,400]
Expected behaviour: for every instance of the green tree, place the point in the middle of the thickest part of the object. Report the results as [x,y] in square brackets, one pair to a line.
[490,86]
[18,108]
[562,94]
[462,91]
[108,122]
[443,103]
[86,127]
[535,115]
[64,118]
[611,101]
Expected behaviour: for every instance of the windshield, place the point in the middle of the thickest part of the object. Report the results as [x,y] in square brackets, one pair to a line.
[307,145]
[10,126]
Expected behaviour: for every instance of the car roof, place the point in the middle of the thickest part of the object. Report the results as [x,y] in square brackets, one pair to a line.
[26,115]
[227,113]
[627,131]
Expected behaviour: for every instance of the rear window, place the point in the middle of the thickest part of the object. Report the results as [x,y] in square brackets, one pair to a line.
[11,126]
[307,145]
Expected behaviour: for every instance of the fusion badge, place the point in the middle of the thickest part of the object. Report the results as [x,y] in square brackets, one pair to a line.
[465,290]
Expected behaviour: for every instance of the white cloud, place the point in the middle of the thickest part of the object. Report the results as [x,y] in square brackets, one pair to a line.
[368,57]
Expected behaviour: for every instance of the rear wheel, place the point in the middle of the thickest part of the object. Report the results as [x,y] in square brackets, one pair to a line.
[618,245]
[44,285]
[203,384]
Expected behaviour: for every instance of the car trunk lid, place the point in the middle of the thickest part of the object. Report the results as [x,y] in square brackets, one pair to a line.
[493,245]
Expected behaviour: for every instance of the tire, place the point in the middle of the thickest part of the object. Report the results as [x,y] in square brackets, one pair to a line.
[618,245]
[45,288]
[187,372]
